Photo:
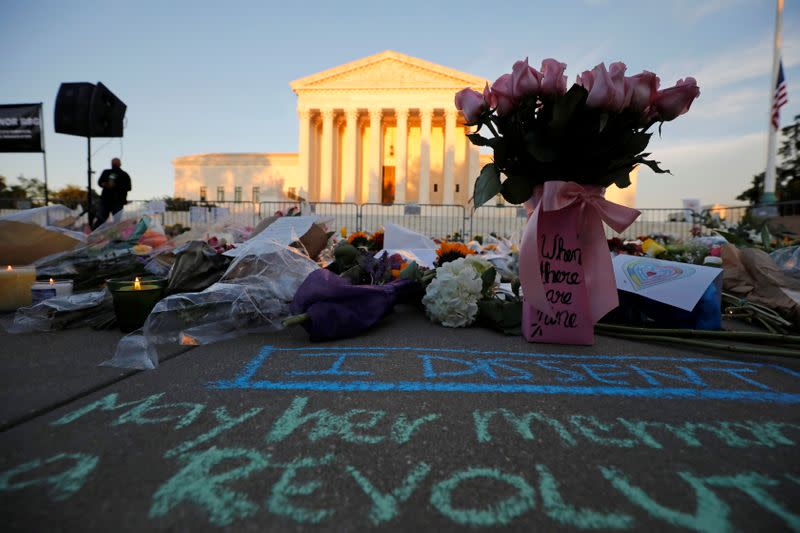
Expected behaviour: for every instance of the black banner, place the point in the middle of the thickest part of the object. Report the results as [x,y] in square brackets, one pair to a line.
[21,128]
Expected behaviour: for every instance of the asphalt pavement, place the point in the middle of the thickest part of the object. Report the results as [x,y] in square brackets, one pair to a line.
[409,427]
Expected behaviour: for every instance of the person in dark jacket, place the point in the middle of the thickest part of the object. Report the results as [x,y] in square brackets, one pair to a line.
[115,183]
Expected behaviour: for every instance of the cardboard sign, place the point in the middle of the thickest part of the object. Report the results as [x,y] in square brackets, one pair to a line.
[677,284]
[562,269]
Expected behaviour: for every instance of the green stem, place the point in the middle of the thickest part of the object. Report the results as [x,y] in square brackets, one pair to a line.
[706,344]
[294,320]
[683,333]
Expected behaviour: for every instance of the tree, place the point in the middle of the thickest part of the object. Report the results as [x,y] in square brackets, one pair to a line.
[73,196]
[787,173]
[177,204]
[34,187]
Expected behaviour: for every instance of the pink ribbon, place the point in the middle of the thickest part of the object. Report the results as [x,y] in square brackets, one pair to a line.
[598,272]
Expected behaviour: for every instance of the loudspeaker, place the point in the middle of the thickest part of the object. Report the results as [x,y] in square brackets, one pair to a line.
[72,108]
[106,113]
[88,111]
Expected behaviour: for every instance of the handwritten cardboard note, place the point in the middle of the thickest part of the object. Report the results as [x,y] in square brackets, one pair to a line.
[562,269]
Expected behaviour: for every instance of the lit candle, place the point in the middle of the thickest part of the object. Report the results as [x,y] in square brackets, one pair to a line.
[133,302]
[15,287]
[42,290]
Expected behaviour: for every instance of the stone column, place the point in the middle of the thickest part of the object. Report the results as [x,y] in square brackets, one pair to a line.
[326,157]
[426,115]
[401,157]
[375,163]
[473,168]
[304,149]
[449,155]
[349,153]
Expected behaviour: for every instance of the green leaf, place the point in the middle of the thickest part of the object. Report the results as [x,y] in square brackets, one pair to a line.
[478,140]
[515,285]
[565,107]
[653,165]
[487,278]
[517,190]
[637,143]
[538,145]
[410,271]
[487,185]
[732,238]
[621,177]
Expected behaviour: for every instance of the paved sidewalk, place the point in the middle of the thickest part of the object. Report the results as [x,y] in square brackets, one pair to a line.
[412,426]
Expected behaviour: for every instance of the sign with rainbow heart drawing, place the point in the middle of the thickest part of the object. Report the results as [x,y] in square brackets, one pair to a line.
[676,284]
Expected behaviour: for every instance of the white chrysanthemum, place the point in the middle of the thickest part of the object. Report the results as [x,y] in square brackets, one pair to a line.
[452,297]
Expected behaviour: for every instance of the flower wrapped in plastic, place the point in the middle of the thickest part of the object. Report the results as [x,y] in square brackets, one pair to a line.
[253,296]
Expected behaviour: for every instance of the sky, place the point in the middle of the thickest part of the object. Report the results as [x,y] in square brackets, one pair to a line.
[202,77]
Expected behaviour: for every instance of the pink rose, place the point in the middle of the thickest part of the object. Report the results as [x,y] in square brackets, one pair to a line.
[524,79]
[601,92]
[503,94]
[644,89]
[553,79]
[471,103]
[585,80]
[616,72]
[675,101]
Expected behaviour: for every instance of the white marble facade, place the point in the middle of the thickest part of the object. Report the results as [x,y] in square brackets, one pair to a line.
[382,129]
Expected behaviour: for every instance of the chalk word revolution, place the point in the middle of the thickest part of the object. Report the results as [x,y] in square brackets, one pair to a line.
[439,370]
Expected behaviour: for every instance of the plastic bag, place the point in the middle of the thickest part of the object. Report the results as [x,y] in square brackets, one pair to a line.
[197,266]
[63,312]
[253,296]
[108,253]
[788,260]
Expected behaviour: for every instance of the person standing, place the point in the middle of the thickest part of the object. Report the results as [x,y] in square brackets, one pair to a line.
[115,183]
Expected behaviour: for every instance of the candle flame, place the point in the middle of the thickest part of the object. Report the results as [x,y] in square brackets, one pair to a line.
[52,281]
[137,285]
[9,268]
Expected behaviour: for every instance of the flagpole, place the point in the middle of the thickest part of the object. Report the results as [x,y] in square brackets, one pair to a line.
[769,175]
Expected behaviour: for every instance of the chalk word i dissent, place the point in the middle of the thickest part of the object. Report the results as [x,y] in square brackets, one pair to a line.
[439,370]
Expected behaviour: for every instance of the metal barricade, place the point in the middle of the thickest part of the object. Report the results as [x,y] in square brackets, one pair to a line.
[344,215]
[676,223]
[501,220]
[278,208]
[436,221]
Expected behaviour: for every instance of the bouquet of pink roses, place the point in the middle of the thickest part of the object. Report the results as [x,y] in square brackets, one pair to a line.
[592,134]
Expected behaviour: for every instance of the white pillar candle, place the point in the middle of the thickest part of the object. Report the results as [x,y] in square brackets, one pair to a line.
[43,290]
[15,287]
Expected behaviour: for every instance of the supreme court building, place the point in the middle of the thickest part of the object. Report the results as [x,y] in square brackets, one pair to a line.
[382,129]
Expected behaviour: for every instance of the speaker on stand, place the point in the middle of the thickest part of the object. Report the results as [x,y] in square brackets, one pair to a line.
[88,110]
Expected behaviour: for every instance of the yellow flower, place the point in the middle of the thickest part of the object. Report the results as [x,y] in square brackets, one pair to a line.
[450,251]
[343,231]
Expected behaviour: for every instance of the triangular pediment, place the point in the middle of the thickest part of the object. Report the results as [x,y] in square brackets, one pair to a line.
[388,70]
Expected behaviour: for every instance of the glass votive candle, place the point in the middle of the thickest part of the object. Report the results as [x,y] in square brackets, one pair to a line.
[44,290]
[133,301]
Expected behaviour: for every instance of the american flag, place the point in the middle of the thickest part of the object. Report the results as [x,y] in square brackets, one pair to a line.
[779,98]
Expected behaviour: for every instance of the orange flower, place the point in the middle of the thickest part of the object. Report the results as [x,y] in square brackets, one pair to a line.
[450,251]
[358,238]
[396,271]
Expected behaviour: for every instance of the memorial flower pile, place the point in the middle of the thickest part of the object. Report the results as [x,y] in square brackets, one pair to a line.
[593,133]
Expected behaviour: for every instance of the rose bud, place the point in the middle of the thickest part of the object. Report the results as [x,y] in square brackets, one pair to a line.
[471,103]
[553,79]
[675,101]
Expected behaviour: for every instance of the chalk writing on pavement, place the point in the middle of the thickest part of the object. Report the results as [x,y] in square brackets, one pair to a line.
[466,371]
